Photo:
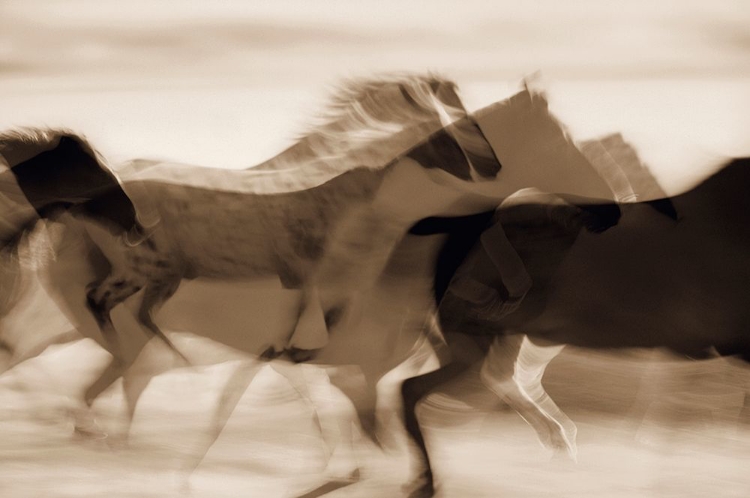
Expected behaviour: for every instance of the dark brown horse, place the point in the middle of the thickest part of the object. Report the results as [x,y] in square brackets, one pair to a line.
[650,282]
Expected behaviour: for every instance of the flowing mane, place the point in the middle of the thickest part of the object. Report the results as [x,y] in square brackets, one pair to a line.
[619,164]
[369,122]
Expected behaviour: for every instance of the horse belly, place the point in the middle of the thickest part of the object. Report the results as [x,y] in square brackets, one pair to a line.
[644,288]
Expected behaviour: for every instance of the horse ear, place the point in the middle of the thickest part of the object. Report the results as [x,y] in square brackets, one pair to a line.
[17,150]
[534,85]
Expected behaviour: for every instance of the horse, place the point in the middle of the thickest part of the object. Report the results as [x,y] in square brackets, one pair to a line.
[677,282]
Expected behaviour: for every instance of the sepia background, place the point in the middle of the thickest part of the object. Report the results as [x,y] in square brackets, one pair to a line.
[231,83]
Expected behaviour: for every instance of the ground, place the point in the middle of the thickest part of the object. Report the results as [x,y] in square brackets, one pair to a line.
[634,440]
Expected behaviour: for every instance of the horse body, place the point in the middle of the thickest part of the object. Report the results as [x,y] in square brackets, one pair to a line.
[225,234]
[649,282]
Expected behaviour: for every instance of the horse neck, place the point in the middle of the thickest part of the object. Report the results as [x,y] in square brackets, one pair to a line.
[306,159]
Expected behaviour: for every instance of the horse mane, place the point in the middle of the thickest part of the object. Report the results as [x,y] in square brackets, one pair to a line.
[365,109]
[370,121]
[620,165]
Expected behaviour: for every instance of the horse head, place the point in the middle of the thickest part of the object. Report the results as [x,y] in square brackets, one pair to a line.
[56,169]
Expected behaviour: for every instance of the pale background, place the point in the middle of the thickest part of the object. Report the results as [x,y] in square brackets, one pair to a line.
[229,83]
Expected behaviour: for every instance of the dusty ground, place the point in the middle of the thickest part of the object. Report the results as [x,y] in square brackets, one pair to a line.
[630,443]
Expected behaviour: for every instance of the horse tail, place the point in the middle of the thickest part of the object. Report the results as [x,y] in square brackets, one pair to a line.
[11,278]
[17,218]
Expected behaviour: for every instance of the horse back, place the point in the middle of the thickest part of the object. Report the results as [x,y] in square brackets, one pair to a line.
[218,233]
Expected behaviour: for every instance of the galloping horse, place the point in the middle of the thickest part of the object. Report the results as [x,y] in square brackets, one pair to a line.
[649,282]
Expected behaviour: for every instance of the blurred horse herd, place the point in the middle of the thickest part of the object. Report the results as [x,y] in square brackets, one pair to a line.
[398,228]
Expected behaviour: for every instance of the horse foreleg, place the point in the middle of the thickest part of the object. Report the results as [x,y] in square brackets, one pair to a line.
[100,301]
[134,383]
[314,386]
[311,331]
[361,390]
[85,423]
[233,391]
[101,298]
[521,387]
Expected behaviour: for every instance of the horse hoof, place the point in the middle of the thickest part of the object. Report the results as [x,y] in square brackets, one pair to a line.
[270,353]
[424,487]
[424,491]
[302,355]
[332,485]
[562,447]
[565,456]
[89,434]
[85,425]
[118,443]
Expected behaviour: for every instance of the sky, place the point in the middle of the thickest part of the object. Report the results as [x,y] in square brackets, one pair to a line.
[238,42]
[231,82]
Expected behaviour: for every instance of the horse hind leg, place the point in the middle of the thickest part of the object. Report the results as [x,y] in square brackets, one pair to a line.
[412,391]
[310,333]
[521,387]
[155,295]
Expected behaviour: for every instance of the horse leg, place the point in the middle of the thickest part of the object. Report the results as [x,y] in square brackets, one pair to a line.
[233,391]
[412,391]
[85,424]
[310,333]
[361,390]
[133,386]
[134,383]
[522,388]
[314,386]
[101,298]
[155,295]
